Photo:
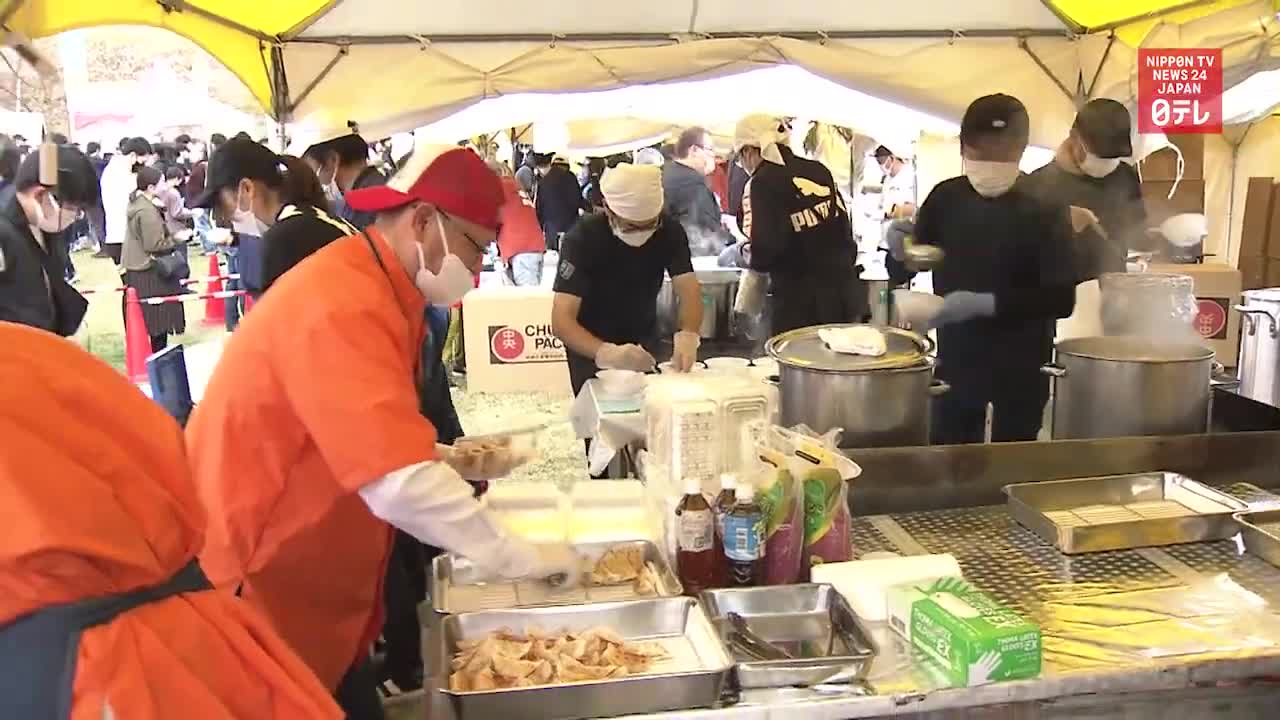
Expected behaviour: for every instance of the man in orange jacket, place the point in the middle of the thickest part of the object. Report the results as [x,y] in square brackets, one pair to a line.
[104,611]
[308,445]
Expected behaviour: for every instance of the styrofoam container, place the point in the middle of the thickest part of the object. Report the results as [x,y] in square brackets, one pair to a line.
[503,497]
[621,383]
[666,368]
[732,364]
[606,493]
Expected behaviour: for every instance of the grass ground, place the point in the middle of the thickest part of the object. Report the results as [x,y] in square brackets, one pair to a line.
[102,332]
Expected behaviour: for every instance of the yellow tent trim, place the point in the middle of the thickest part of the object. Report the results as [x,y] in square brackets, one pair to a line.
[1095,14]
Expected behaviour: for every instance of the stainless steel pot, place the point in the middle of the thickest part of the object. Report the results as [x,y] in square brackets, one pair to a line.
[878,402]
[718,290]
[1259,365]
[1124,386]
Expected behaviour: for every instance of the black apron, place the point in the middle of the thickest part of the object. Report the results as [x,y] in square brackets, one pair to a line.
[38,651]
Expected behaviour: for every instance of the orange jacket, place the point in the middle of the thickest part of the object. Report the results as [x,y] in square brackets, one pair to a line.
[98,500]
[313,398]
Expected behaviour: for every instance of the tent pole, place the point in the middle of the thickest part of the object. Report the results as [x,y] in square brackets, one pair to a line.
[342,52]
[666,38]
[1093,84]
[182,6]
[1045,69]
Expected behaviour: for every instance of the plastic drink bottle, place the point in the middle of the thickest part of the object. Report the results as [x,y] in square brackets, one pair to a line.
[744,540]
[698,565]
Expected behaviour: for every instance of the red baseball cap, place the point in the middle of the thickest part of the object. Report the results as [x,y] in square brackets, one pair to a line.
[457,181]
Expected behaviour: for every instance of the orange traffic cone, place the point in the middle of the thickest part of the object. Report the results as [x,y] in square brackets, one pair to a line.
[137,343]
[215,309]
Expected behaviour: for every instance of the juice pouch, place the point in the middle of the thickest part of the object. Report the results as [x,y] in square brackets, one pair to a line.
[826,503]
[782,506]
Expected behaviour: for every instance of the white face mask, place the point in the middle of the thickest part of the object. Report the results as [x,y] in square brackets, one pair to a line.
[452,282]
[991,179]
[46,214]
[634,238]
[244,222]
[1097,167]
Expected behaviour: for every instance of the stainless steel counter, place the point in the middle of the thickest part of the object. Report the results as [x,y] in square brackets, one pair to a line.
[1126,633]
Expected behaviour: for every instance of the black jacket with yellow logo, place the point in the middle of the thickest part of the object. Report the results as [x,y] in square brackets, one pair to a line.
[801,236]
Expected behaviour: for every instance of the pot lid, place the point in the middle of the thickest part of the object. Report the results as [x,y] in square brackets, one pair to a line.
[1263,294]
[1125,348]
[803,348]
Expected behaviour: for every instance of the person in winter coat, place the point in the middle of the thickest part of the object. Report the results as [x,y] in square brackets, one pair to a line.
[557,199]
[690,201]
[146,237]
[799,230]
[104,610]
[118,188]
[33,261]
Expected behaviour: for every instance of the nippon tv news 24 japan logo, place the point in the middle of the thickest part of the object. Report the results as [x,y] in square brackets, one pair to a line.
[1180,90]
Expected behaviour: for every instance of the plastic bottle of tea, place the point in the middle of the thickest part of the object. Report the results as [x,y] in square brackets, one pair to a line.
[698,565]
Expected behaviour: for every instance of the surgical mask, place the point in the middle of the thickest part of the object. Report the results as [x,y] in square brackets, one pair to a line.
[452,282]
[46,214]
[991,179]
[244,222]
[634,238]
[1097,167]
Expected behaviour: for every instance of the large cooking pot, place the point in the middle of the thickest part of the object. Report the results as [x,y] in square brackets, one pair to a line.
[719,286]
[1123,386]
[1259,365]
[878,401]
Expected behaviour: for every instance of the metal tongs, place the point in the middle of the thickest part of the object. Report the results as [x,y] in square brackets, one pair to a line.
[745,639]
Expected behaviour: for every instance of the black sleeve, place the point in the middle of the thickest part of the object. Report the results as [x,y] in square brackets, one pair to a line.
[1052,293]
[291,241]
[770,227]
[679,259]
[576,258]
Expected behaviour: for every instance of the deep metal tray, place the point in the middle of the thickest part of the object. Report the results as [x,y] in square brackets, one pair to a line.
[1119,512]
[455,586]
[692,677]
[1260,531]
[812,622]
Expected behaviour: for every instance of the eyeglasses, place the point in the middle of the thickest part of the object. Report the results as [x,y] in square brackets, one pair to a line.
[480,248]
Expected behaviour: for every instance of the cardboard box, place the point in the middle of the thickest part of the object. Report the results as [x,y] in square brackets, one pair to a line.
[1272,249]
[1256,225]
[973,639]
[1187,198]
[1162,165]
[1259,272]
[1217,290]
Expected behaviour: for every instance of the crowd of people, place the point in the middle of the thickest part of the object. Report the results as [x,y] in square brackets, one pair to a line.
[291,526]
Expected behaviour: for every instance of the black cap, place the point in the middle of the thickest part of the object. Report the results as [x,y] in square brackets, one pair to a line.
[235,160]
[1104,126]
[1002,116]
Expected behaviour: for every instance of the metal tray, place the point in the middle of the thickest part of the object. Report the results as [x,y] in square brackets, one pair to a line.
[1260,531]
[1120,512]
[694,676]
[456,588]
[812,622]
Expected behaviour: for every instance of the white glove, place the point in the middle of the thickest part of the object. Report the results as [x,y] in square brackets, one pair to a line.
[624,357]
[482,459]
[752,288]
[432,503]
[685,350]
[557,562]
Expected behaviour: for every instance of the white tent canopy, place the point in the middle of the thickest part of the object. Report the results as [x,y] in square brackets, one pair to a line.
[407,63]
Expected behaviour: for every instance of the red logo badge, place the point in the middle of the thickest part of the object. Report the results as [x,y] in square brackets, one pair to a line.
[508,344]
[1180,91]
[1211,320]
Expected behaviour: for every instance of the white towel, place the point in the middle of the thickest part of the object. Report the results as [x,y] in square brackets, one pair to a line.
[858,340]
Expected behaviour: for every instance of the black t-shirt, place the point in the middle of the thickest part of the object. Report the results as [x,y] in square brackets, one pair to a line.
[618,283]
[1015,246]
[1117,201]
[300,230]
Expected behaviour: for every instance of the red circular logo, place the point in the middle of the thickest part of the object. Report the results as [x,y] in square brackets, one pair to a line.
[507,344]
[1211,319]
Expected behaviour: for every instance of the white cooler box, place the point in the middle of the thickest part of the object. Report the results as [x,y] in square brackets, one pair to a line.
[510,346]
